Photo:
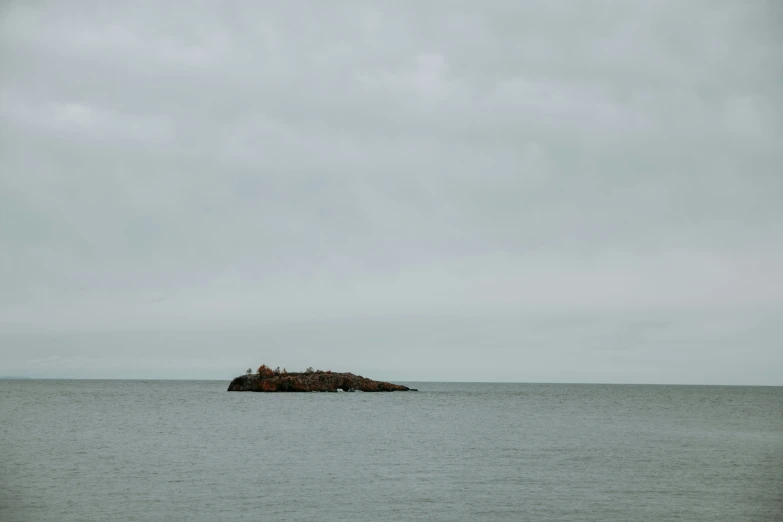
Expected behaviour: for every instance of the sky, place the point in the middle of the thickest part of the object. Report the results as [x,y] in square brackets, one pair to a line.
[550,191]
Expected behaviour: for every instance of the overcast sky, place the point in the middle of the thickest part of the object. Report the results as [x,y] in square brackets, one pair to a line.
[449,190]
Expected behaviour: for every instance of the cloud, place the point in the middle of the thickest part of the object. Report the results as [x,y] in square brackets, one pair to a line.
[310,163]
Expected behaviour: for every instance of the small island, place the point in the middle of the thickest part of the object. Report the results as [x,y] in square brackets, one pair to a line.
[265,379]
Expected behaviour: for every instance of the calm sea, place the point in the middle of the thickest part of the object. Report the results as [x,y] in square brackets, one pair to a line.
[188,450]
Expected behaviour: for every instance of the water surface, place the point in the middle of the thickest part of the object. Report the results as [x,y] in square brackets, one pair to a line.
[189,450]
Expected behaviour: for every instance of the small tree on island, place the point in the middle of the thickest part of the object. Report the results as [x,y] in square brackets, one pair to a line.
[248,371]
[309,370]
[265,371]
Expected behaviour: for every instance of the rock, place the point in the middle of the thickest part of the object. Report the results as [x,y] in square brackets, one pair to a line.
[312,382]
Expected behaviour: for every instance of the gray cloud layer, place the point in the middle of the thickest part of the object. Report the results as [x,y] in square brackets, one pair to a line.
[571,191]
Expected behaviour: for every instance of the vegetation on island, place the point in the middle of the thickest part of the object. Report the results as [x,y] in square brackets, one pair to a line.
[266,371]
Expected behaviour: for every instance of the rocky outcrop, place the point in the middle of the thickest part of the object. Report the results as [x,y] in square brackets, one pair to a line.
[312,382]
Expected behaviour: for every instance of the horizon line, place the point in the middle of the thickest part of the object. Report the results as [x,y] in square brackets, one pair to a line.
[29,378]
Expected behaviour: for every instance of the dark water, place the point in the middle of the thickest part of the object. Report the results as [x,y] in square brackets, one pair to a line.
[161,450]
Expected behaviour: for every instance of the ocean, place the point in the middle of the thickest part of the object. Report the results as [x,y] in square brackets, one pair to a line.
[91,450]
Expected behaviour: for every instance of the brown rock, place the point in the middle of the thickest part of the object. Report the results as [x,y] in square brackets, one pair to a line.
[311,381]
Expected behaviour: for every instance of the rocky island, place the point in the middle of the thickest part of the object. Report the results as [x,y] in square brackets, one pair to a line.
[277,380]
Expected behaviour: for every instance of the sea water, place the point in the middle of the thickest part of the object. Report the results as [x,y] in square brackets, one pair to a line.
[188,450]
